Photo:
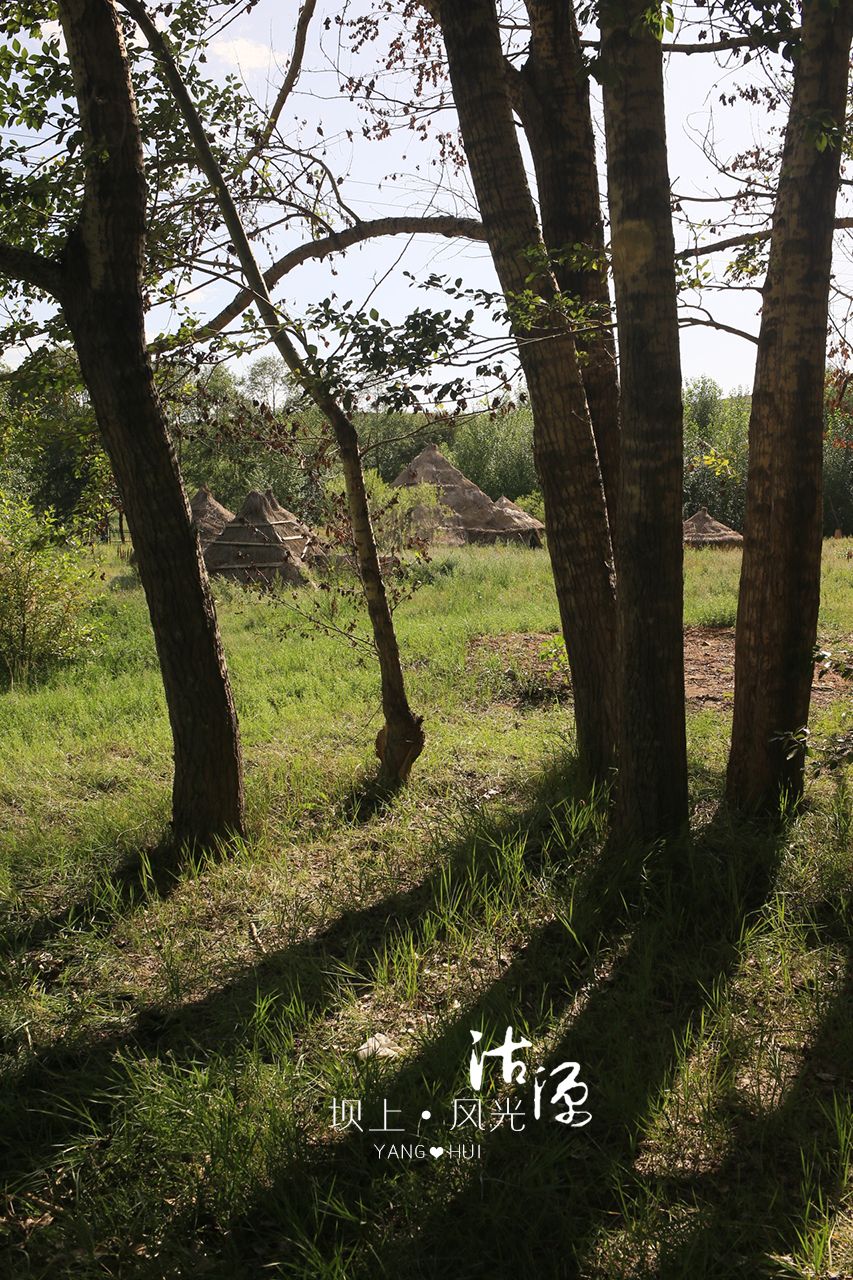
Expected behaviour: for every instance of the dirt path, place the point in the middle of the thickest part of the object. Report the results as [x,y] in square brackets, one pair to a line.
[536,665]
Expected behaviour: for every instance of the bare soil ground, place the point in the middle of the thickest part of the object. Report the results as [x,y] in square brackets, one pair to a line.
[537,664]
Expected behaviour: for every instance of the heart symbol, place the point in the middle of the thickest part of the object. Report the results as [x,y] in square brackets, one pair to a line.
[435,1152]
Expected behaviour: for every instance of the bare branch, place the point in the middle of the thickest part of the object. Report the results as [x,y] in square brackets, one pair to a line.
[443,225]
[30,268]
[768,40]
[306,13]
[687,321]
[750,237]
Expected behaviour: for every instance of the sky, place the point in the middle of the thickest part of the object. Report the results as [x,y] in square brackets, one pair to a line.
[257,47]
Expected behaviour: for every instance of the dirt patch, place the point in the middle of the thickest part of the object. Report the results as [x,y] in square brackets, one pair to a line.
[532,667]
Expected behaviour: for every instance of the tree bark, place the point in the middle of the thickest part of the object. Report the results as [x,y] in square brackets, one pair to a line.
[652,786]
[564,444]
[555,111]
[401,741]
[780,580]
[100,290]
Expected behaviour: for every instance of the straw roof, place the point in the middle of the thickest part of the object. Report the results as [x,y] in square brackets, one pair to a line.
[299,538]
[209,516]
[472,511]
[702,530]
[533,527]
[250,548]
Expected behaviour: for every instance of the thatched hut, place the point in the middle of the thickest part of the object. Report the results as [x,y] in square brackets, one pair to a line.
[702,530]
[473,517]
[298,537]
[250,549]
[532,527]
[209,516]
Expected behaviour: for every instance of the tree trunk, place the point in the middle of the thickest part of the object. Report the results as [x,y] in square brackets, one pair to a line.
[555,110]
[652,786]
[780,580]
[564,445]
[101,297]
[401,740]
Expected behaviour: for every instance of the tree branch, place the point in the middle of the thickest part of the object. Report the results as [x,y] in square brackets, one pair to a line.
[306,13]
[30,268]
[769,40]
[444,225]
[750,237]
[711,323]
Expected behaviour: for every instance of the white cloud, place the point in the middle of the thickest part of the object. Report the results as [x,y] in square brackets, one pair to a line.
[244,55]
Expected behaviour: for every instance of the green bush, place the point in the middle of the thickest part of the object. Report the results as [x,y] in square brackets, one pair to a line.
[533,503]
[401,516]
[838,474]
[496,452]
[715,451]
[43,593]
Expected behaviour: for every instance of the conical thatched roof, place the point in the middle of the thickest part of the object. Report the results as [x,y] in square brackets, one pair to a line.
[250,549]
[533,527]
[702,530]
[209,516]
[472,510]
[298,537]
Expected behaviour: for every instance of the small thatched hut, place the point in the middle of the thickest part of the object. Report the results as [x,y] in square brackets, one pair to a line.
[473,516]
[702,530]
[298,537]
[250,549]
[209,516]
[532,527]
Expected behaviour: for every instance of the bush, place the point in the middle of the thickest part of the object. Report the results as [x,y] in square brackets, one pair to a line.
[43,592]
[715,452]
[401,517]
[496,452]
[838,474]
[533,503]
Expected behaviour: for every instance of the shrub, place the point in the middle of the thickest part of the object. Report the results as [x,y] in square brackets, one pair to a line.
[43,592]
[401,517]
[533,503]
[496,452]
[838,474]
[715,452]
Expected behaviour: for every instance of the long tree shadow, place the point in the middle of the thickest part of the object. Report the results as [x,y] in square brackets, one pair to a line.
[314,968]
[787,1167]
[137,876]
[625,974]
[628,980]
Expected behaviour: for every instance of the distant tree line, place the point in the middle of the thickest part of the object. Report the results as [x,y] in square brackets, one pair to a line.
[240,431]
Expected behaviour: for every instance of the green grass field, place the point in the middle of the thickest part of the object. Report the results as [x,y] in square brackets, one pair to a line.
[173,1034]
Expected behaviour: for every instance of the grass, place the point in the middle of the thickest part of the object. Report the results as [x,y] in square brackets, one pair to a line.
[172,1037]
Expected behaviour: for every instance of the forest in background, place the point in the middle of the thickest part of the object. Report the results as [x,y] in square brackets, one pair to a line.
[238,432]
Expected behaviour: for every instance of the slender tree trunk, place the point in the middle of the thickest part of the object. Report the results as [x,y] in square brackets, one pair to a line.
[401,740]
[780,580]
[564,445]
[101,294]
[652,788]
[555,110]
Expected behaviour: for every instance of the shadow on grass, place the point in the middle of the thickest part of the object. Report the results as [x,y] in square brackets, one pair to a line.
[139,875]
[626,983]
[776,1194]
[616,982]
[313,969]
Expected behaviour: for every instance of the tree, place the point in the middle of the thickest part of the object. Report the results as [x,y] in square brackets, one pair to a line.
[96,276]
[652,791]
[551,97]
[780,581]
[564,442]
[401,739]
